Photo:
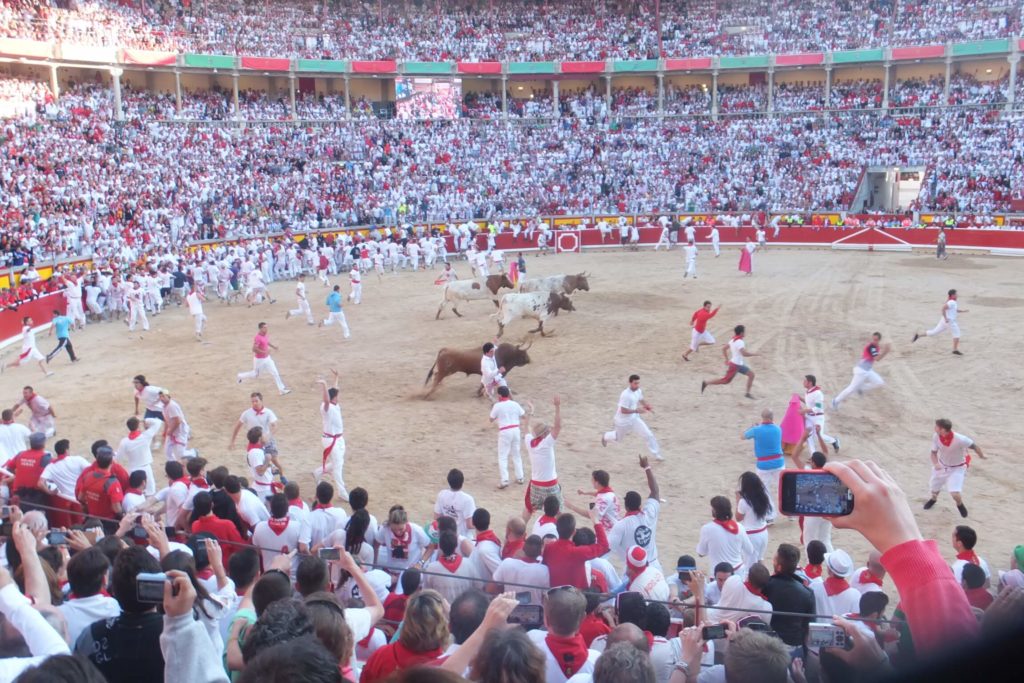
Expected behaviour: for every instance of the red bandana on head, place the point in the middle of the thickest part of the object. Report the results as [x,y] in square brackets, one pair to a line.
[729,525]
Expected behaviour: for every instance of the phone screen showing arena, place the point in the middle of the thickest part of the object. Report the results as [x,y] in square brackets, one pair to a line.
[817,494]
[428,98]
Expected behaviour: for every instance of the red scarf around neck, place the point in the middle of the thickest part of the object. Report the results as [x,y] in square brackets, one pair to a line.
[729,525]
[834,586]
[814,388]
[322,506]
[969,556]
[134,435]
[544,519]
[278,525]
[756,591]
[536,442]
[867,576]
[569,651]
[200,482]
[511,548]
[603,489]
[451,563]
[488,536]
[946,439]
[813,571]
[295,503]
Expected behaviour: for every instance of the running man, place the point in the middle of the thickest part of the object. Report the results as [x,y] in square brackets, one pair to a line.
[691,260]
[508,414]
[29,350]
[949,463]
[176,430]
[332,438]
[950,310]
[336,315]
[540,445]
[735,353]
[715,241]
[136,307]
[491,376]
[864,376]
[699,335]
[148,395]
[261,360]
[195,301]
[62,325]
[355,279]
[43,418]
[627,418]
[301,302]
[814,420]
[258,415]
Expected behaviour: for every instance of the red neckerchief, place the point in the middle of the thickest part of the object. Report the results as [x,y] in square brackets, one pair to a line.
[322,506]
[347,673]
[812,389]
[536,442]
[451,563]
[969,556]
[631,513]
[867,576]
[488,536]
[834,585]
[204,573]
[570,652]
[650,639]
[134,435]
[736,337]
[137,492]
[603,489]
[278,525]
[103,592]
[511,548]
[200,482]
[503,398]
[599,581]
[946,439]
[258,412]
[183,480]
[813,571]
[365,642]
[295,503]
[729,525]
[404,541]
[544,519]
[750,587]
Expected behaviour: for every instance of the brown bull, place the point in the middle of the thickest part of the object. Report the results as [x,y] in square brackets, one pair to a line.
[451,361]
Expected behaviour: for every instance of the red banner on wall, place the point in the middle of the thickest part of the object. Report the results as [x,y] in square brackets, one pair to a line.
[688,64]
[266,63]
[479,67]
[920,52]
[148,57]
[40,310]
[384,66]
[800,60]
[583,67]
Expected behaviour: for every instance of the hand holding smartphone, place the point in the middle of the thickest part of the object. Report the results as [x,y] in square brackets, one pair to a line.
[813,493]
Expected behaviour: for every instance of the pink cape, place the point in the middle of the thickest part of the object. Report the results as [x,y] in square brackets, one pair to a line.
[793,423]
[513,272]
[746,265]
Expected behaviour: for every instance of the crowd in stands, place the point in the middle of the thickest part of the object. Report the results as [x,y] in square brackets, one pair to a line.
[799,96]
[742,99]
[687,99]
[77,181]
[21,97]
[857,94]
[518,30]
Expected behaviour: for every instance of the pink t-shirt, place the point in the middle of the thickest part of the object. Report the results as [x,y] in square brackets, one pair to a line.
[262,345]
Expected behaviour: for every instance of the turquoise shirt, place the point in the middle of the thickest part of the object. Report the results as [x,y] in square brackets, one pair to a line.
[63,325]
[334,302]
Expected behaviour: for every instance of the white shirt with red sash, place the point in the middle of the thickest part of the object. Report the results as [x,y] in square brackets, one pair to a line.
[834,597]
[865,581]
[724,542]
[276,536]
[448,576]
[737,599]
[486,555]
[563,656]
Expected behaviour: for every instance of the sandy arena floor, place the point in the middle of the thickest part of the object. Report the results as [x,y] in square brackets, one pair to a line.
[805,311]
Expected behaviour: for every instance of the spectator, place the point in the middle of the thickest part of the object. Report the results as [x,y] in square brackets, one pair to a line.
[787,593]
[88,601]
[566,562]
[423,638]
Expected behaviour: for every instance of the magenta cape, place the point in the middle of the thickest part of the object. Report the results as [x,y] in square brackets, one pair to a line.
[793,423]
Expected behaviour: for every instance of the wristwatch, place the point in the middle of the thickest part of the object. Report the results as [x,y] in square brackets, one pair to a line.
[683,667]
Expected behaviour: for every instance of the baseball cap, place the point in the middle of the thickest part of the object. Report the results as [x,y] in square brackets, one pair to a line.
[839,563]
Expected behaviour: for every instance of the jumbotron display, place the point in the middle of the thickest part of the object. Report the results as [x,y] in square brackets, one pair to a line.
[427,98]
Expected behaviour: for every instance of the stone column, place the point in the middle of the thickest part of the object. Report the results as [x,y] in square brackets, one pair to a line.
[771,89]
[945,86]
[661,94]
[55,82]
[714,95]
[115,75]
[1011,97]
[504,97]
[554,92]
[828,86]
[291,95]
[348,99]
[885,87]
[234,96]
[177,91]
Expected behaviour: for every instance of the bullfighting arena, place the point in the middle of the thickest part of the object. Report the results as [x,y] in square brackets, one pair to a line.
[805,312]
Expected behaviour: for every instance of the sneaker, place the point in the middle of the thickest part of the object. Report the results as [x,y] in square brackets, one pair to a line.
[519,481]
[703,386]
[604,441]
[239,380]
[957,353]
[963,509]
[835,406]
[287,314]
[659,457]
[916,337]
[285,392]
[929,504]
[835,446]
[503,486]
[750,396]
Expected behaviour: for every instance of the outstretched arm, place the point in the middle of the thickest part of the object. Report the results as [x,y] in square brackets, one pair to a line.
[557,427]
[652,483]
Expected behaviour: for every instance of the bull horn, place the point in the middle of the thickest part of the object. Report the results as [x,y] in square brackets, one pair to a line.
[528,342]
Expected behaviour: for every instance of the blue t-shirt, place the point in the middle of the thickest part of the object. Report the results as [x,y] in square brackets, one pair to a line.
[63,325]
[767,444]
[334,302]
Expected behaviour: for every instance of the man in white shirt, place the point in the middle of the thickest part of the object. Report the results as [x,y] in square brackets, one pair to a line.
[13,436]
[491,375]
[565,653]
[835,596]
[507,414]
[870,577]
[135,452]
[60,478]
[540,446]
[639,526]
[250,508]
[450,573]
[948,321]
[964,540]
[261,465]
[723,539]
[173,497]
[324,519]
[627,418]
[735,353]
[279,534]
[516,573]
[643,578]
[176,430]
[258,415]
[715,244]
[739,596]
[950,461]
[332,437]
[301,302]
[691,260]
[87,577]
[814,418]
[454,502]
[486,555]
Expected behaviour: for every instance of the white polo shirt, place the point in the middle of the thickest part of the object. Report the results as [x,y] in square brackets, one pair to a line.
[542,458]
[640,529]
[955,453]
[630,400]
[720,545]
[507,413]
[458,505]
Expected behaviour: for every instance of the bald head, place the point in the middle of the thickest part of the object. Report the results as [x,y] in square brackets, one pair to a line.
[767,415]
[629,633]
[875,563]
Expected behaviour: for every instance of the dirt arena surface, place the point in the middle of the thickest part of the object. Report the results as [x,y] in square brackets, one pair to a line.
[805,312]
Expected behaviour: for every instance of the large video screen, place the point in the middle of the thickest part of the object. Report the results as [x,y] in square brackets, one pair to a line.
[428,98]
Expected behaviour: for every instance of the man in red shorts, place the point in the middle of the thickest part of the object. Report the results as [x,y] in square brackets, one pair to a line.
[735,353]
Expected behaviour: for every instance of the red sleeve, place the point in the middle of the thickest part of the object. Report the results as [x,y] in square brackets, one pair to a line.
[589,552]
[115,492]
[936,606]
[11,464]
[602,539]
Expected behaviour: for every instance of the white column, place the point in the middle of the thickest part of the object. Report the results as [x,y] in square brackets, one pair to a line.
[504,97]
[55,83]
[885,87]
[828,86]
[771,90]
[291,94]
[608,92]
[554,92]
[348,99]
[1011,98]
[177,91]
[661,94]
[714,94]
[234,96]
[945,87]
[115,74]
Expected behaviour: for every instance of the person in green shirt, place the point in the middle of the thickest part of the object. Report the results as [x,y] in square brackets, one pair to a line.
[62,324]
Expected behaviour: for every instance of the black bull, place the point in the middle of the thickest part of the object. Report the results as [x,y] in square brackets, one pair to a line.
[451,361]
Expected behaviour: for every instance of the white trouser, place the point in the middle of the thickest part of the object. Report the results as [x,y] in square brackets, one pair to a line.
[137,313]
[759,543]
[303,309]
[952,478]
[94,306]
[178,451]
[150,479]
[715,246]
[952,326]
[509,441]
[636,424]
[691,268]
[818,529]
[491,385]
[698,338]
[200,319]
[415,262]
[770,479]
[356,295]
[75,311]
[335,464]
[339,318]
[812,423]
[863,380]
[663,240]
[261,365]
[322,274]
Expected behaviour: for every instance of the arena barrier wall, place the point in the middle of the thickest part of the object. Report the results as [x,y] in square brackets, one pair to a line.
[40,309]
